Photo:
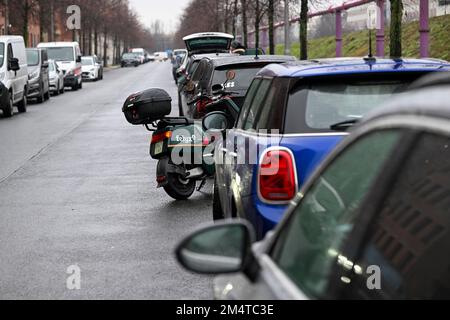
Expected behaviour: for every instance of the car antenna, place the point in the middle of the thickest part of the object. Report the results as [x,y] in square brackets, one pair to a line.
[370,57]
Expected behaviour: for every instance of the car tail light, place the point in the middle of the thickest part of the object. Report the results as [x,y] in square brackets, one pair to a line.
[277,176]
[158,137]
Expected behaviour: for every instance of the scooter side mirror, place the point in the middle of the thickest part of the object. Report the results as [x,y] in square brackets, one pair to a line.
[216,121]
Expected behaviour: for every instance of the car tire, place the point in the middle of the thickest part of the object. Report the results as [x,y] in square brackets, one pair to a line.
[80,86]
[8,110]
[217,206]
[63,89]
[22,105]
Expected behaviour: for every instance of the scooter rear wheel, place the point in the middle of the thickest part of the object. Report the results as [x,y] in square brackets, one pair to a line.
[179,188]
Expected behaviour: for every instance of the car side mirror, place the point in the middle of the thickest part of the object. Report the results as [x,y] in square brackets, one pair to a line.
[217,249]
[13,64]
[45,65]
[215,121]
[78,59]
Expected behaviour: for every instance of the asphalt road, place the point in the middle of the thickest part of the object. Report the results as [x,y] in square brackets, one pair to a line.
[77,187]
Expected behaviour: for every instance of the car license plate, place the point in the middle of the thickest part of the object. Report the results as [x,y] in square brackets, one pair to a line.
[159,147]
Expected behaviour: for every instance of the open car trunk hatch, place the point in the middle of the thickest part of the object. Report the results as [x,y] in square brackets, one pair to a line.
[213,42]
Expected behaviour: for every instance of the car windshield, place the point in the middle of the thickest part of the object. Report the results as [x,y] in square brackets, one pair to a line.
[2,54]
[320,104]
[242,80]
[61,53]
[87,61]
[51,66]
[128,56]
[33,57]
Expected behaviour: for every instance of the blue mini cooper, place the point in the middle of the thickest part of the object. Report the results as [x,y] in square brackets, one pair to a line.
[293,116]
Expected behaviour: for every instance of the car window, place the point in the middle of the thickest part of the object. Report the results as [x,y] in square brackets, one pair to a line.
[248,102]
[257,103]
[409,241]
[308,247]
[316,104]
[271,113]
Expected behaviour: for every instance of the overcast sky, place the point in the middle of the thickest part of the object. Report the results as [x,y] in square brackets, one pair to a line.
[167,11]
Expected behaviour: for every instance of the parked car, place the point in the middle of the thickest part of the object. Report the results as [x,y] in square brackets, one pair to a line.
[161,56]
[307,107]
[178,57]
[199,44]
[92,68]
[212,69]
[188,68]
[56,78]
[13,75]
[38,75]
[68,57]
[373,222]
[129,59]
[140,53]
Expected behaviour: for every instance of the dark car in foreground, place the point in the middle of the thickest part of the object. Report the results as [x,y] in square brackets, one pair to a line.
[298,113]
[213,69]
[373,222]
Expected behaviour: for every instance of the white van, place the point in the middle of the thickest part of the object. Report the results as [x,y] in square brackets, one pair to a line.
[13,74]
[67,56]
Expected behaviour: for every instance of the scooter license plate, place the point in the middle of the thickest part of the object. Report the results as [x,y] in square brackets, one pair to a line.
[159,147]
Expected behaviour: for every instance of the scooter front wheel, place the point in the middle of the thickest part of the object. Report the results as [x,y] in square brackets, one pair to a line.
[179,188]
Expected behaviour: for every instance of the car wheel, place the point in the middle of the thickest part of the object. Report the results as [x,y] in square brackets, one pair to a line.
[8,109]
[57,92]
[80,86]
[22,106]
[63,89]
[217,206]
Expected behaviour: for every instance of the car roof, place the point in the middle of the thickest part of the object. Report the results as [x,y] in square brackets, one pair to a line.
[58,44]
[244,59]
[306,68]
[430,102]
[197,57]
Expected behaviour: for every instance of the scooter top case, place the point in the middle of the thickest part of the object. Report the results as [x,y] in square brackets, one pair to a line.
[147,106]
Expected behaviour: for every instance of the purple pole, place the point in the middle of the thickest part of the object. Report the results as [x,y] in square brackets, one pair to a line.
[424,29]
[380,31]
[338,33]
[265,39]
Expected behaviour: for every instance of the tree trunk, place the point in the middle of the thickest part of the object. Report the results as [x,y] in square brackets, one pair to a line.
[26,13]
[271,27]
[244,22]
[304,30]
[396,28]
[235,14]
[105,47]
